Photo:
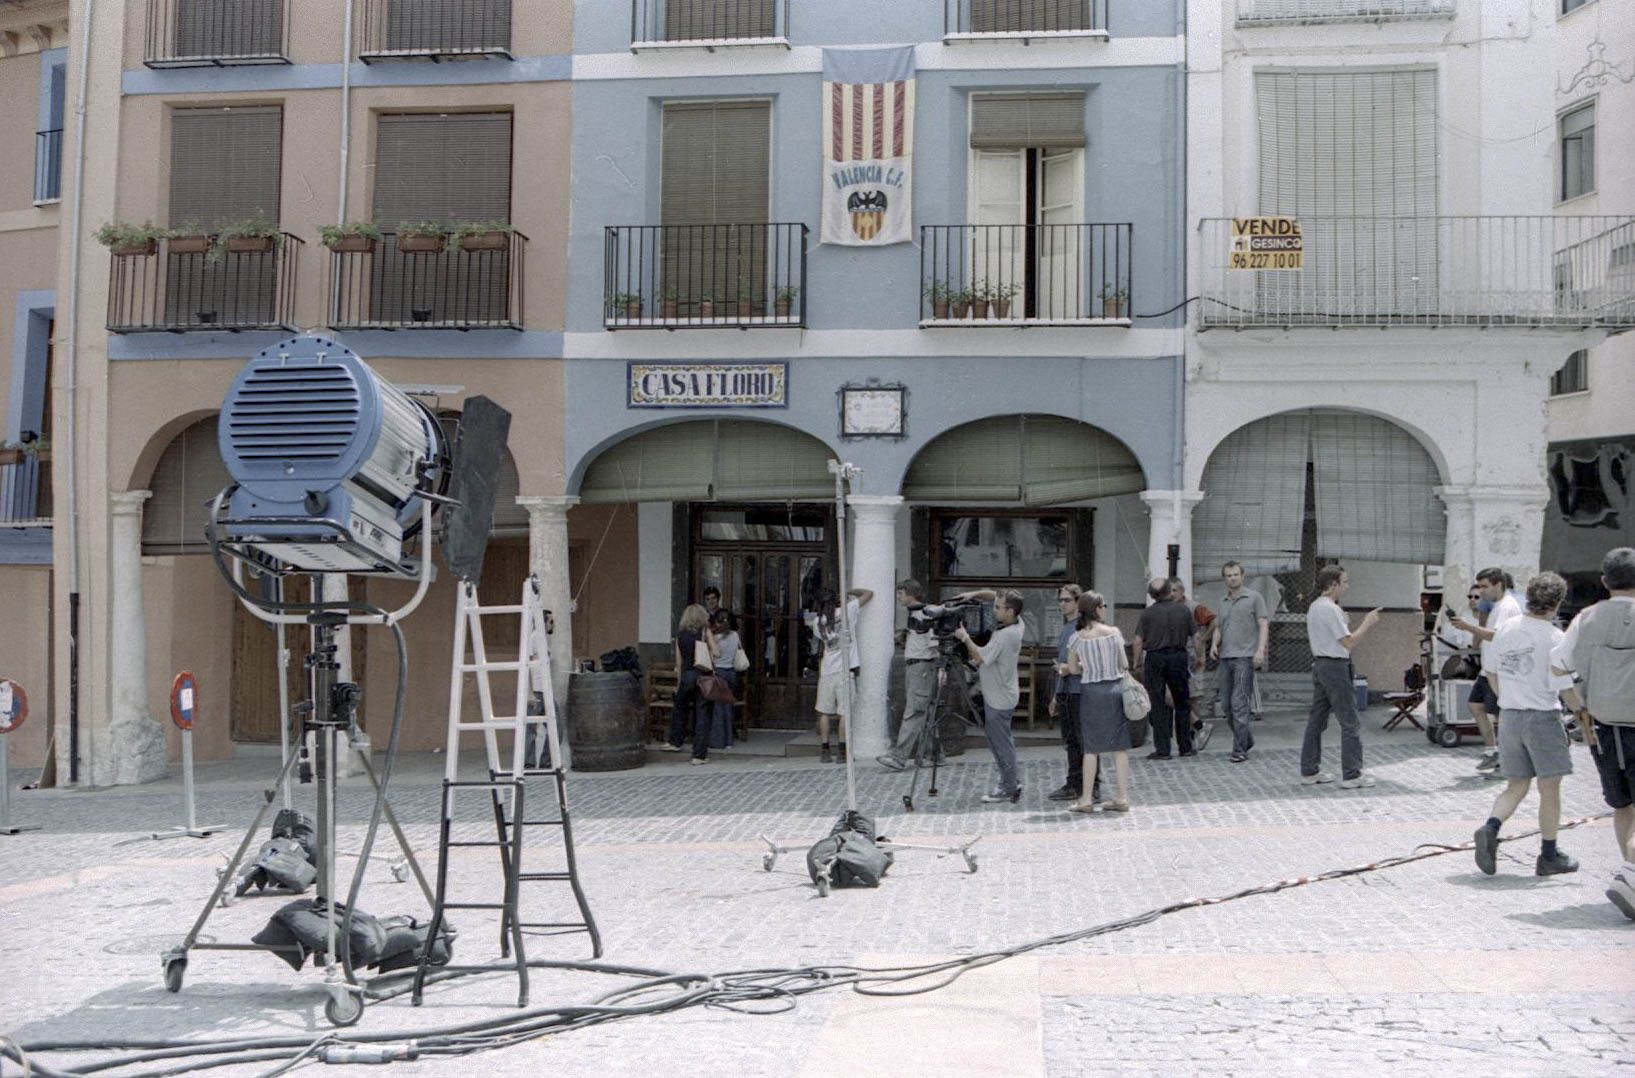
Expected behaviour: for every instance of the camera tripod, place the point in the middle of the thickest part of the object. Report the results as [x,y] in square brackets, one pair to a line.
[929,740]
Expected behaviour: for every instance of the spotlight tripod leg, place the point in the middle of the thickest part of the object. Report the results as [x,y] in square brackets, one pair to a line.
[930,740]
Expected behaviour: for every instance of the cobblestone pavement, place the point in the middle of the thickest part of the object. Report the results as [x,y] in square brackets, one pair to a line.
[1413,968]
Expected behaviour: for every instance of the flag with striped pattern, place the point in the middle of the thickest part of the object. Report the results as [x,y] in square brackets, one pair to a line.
[868,146]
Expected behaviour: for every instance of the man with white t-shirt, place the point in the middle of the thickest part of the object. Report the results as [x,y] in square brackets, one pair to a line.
[1532,743]
[1493,585]
[833,693]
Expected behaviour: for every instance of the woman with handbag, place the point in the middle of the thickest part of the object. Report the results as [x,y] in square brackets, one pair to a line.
[1097,659]
[730,661]
[695,658]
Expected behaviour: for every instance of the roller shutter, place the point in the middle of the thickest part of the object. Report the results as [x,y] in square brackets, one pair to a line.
[189,474]
[1035,460]
[1025,121]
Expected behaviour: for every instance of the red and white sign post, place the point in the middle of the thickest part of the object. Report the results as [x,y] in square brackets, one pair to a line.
[184,704]
[13,710]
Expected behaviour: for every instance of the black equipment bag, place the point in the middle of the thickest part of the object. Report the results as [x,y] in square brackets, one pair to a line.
[286,860]
[621,659]
[298,930]
[849,854]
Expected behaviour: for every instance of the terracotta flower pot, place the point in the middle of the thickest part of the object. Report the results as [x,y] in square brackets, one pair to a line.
[780,308]
[132,250]
[706,308]
[939,308]
[420,245]
[1112,308]
[669,308]
[746,308]
[979,308]
[189,245]
[633,311]
[354,245]
[1001,308]
[960,310]
[241,245]
[485,241]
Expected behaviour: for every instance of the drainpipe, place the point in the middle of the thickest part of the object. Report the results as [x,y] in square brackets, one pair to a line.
[1181,93]
[70,469]
[346,110]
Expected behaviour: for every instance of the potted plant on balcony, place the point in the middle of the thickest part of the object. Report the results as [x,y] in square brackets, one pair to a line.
[252,235]
[706,305]
[939,294]
[126,240]
[783,299]
[746,300]
[981,297]
[421,237]
[668,303]
[357,238]
[482,235]
[189,238]
[1113,300]
[30,448]
[1001,296]
[628,302]
[959,302]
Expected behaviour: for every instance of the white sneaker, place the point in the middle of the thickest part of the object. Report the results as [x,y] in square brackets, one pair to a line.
[1361,782]
[1313,780]
[1622,892]
[1489,761]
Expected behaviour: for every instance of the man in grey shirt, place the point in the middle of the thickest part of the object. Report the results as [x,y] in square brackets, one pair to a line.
[995,664]
[1332,639]
[1239,642]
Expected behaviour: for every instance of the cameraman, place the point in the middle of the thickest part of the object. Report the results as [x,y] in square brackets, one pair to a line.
[919,677]
[995,664]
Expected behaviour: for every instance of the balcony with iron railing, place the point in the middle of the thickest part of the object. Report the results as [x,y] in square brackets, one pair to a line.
[1301,12]
[48,166]
[1022,20]
[740,276]
[982,276]
[405,282]
[1526,271]
[708,24]
[25,488]
[175,286]
[434,30]
[216,33]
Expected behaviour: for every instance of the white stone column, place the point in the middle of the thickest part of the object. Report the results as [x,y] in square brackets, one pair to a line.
[1170,512]
[1492,525]
[548,560]
[874,566]
[128,746]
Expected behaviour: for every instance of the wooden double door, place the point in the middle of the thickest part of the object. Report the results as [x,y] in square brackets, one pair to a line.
[771,565]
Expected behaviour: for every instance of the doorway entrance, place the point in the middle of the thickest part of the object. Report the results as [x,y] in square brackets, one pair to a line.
[771,564]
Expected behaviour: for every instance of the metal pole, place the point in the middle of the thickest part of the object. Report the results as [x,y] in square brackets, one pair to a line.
[843,472]
[6,826]
[187,779]
[283,701]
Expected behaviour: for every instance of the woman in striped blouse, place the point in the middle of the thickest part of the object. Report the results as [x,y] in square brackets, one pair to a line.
[1097,658]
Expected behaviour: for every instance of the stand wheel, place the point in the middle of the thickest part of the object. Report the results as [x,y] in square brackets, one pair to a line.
[970,862]
[1431,732]
[1448,737]
[908,803]
[175,970]
[767,861]
[400,871]
[343,1007]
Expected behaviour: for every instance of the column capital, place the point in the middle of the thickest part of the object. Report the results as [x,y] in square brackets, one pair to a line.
[1188,499]
[128,502]
[547,506]
[1538,495]
[875,507]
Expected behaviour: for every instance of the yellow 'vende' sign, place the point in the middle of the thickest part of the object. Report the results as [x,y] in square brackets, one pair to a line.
[1267,243]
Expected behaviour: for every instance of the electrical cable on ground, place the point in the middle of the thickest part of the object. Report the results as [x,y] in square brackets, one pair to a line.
[735,991]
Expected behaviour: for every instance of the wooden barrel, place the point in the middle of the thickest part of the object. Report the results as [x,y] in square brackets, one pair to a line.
[605,721]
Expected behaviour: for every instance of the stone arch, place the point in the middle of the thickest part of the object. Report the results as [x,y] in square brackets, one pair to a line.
[1024,459]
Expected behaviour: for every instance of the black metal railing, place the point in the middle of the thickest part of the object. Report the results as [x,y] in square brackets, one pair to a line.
[211,33]
[394,29]
[388,287]
[1023,17]
[159,289]
[1025,274]
[678,276]
[1283,12]
[48,165]
[698,22]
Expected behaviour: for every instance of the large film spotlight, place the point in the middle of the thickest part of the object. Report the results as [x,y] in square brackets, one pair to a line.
[333,465]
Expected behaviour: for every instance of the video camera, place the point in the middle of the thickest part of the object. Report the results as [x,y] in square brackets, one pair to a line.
[944,620]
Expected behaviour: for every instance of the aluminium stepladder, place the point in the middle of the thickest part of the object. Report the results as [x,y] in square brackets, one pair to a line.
[507,782]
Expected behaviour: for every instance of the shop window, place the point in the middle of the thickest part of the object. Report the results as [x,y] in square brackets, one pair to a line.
[1031,553]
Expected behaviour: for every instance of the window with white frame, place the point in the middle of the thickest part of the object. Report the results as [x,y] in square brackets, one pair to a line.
[1574,375]
[1577,138]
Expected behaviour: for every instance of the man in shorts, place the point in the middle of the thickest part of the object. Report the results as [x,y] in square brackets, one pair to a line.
[1532,743]
[834,669]
[1493,585]
[1599,649]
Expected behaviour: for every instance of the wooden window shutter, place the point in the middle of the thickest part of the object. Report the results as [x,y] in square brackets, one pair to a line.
[442,167]
[1020,121]
[717,156]
[225,164]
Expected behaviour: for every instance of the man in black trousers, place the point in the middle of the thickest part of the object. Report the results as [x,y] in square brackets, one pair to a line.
[1161,650]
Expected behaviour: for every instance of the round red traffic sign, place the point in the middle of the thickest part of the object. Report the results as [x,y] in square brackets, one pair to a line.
[13,705]
[184,700]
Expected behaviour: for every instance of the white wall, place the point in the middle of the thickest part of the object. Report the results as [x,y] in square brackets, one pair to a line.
[653,539]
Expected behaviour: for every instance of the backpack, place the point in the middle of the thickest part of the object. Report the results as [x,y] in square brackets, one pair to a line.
[849,855]
[1604,656]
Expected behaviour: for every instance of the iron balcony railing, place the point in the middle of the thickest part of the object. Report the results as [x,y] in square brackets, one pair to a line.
[25,491]
[471,284]
[1428,271]
[160,289]
[701,276]
[217,33]
[1282,12]
[708,23]
[48,165]
[1018,275]
[435,29]
[1023,18]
